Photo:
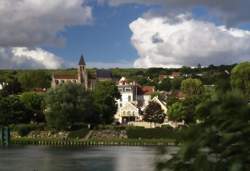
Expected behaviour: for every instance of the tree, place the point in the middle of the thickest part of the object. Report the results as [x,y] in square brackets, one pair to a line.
[13,111]
[154,113]
[191,86]
[104,95]
[66,105]
[176,112]
[165,85]
[220,141]
[176,83]
[35,103]
[240,78]
[11,87]
[34,79]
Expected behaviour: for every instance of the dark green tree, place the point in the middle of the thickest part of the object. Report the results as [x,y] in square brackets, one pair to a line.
[104,95]
[66,105]
[154,113]
[13,111]
[35,103]
[12,86]
[165,85]
[220,141]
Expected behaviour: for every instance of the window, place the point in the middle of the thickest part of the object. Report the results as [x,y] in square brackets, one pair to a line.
[128,112]
[129,98]
[120,104]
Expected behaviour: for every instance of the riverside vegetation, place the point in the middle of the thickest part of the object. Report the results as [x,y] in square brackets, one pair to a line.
[217,117]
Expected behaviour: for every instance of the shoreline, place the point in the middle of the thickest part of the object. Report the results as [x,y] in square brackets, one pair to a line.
[77,143]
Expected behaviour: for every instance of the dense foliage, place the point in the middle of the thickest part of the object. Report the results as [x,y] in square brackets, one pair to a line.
[13,111]
[104,95]
[66,105]
[220,140]
[154,113]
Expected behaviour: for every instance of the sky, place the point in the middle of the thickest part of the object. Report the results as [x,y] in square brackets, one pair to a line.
[123,33]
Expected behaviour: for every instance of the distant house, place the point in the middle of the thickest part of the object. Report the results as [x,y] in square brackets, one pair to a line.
[133,99]
[175,75]
[2,84]
[87,79]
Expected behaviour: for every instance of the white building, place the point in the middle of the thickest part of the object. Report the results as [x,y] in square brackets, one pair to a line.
[134,99]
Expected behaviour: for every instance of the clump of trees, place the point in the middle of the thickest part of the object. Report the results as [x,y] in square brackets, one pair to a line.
[220,140]
[71,103]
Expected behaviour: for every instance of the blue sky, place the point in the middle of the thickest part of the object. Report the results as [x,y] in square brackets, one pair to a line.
[106,39]
[122,33]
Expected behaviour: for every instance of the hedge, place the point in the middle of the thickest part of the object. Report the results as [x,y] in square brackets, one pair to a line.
[151,133]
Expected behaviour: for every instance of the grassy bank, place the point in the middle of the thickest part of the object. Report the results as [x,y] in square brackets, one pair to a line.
[75,142]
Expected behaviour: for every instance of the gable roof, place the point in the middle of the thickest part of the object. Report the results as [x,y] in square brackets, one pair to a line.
[145,90]
[103,73]
[66,77]
[82,61]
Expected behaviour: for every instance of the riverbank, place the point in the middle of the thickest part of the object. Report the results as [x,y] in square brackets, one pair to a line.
[75,142]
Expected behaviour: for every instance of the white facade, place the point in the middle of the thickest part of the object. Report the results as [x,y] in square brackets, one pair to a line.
[131,102]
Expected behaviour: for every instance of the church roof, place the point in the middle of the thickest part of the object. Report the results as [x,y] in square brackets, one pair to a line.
[66,77]
[82,61]
[103,73]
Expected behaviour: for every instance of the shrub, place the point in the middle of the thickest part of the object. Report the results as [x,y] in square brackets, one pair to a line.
[23,130]
[79,134]
[151,133]
[78,126]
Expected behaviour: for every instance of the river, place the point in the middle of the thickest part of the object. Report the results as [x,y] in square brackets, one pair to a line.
[106,158]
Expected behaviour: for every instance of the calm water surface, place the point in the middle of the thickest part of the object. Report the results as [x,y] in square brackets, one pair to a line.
[43,158]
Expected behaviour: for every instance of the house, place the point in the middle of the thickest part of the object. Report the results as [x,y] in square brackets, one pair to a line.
[87,79]
[2,85]
[133,100]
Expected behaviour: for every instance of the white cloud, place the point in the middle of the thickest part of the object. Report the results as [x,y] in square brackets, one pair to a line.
[22,57]
[36,22]
[230,11]
[173,42]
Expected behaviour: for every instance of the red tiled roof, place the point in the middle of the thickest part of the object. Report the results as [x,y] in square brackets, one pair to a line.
[66,77]
[146,90]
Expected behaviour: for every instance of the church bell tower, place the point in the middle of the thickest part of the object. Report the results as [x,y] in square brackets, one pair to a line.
[82,72]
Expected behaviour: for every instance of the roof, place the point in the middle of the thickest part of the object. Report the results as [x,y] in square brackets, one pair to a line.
[146,90]
[103,73]
[66,77]
[82,61]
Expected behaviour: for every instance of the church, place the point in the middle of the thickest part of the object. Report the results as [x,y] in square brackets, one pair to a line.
[86,78]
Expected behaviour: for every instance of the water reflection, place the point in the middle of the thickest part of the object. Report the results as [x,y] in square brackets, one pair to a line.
[36,158]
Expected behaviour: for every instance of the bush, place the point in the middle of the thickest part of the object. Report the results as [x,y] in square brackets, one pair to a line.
[79,134]
[151,133]
[111,127]
[25,129]
[78,126]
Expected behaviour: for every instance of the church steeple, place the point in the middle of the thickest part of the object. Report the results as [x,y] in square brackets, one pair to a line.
[82,72]
[82,61]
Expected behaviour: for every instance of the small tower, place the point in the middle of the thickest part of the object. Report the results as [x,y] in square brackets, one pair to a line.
[82,72]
